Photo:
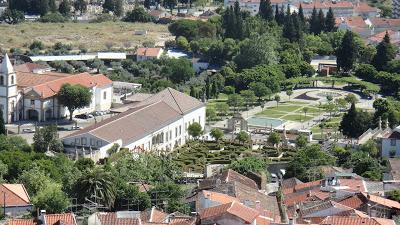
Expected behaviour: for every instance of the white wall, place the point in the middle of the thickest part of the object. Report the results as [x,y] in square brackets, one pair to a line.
[387,147]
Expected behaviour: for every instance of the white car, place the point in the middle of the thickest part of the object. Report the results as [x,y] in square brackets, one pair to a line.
[28,130]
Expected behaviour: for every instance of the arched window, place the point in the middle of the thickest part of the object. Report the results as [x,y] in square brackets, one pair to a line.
[1,80]
[105,95]
[12,79]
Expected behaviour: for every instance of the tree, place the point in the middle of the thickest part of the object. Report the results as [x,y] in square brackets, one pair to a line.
[330,21]
[274,138]
[146,4]
[173,195]
[366,72]
[44,7]
[321,21]
[242,137]
[289,93]
[129,191]
[217,134]
[347,52]
[305,110]
[266,11]
[12,16]
[34,180]
[52,6]
[222,108]
[260,90]
[195,130]
[305,163]
[138,15]
[108,6]
[74,97]
[2,124]
[182,43]
[210,114]
[119,8]
[178,70]
[249,165]
[52,199]
[80,5]
[394,195]
[370,147]
[351,99]
[65,8]
[277,98]
[46,139]
[84,164]
[314,22]
[385,52]
[235,101]
[354,123]
[98,186]
[248,96]
[364,165]
[301,141]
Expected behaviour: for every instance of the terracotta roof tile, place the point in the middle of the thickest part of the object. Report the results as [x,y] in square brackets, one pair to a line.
[243,212]
[21,222]
[56,219]
[16,195]
[318,4]
[384,22]
[382,201]
[363,7]
[219,197]
[354,202]
[112,219]
[225,177]
[338,220]
[152,52]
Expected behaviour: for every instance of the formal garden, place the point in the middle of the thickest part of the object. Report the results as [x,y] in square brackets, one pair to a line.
[292,111]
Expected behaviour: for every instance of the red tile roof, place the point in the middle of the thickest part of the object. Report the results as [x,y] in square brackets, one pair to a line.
[51,88]
[29,67]
[56,219]
[112,219]
[21,222]
[16,195]
[363,7]
[295,198]
[338,220]
[384,22]
[152,52]
[219,197]
[226,177]
[382,201]
[353,21]
[236,209]
[318,4]
[354,202]
[353,184]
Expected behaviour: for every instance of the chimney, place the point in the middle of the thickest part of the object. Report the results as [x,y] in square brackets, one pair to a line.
[41,217]
[258,204]
[292,221]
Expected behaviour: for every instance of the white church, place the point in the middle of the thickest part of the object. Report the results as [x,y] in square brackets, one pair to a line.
[29,92]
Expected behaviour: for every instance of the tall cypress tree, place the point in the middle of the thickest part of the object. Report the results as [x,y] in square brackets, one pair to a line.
[330,21]
[44,7]
[52,6]
[265,10]
[347,52]
[280,19]
[2,124]
[301,14]
[314,23]
[288,29]
[276,12]
[321,21]
[385,52]
[238,21]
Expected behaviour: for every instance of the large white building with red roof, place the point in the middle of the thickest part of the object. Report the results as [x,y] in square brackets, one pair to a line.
[29,92]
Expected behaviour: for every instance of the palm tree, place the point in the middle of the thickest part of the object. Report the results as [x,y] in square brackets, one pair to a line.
[97,185]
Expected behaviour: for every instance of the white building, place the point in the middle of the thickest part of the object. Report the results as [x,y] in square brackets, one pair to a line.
[159,122]
[253,6]
[29,92]
[391,143]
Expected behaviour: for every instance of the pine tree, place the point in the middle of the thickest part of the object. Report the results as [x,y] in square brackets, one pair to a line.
[281,16]
[314,23]
[321,21]
[276,13]
[330,21]
[265,10]
[52,6]
[238,28]
[385,52]
[301,14]
[44,7]
[2,124]
[65,8]
[108,6]
[288,28]
[347,52]
[118,8]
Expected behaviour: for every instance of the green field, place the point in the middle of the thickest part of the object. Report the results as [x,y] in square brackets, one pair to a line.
[297,117]
[292,111]
[92,36]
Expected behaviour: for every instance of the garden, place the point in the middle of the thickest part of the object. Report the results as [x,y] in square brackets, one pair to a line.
[292,111]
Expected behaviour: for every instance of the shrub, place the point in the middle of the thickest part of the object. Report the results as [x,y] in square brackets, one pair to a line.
[53,18]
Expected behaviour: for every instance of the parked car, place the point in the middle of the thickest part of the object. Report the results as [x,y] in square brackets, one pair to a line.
[84,116]
[28,130]
[76,128]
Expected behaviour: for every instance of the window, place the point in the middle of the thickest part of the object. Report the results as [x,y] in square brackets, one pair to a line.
[105,95]
[392,142]
[92,141]
[176,132]
[99,143]
[12,79]
[199,119]
[32,102]
[83,140]
[180,129]
[170,135]
[1,80]
[77,141]
[166,136]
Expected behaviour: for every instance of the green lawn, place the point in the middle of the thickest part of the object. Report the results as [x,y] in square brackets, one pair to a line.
[297,117]
[287,108]
[311,110]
